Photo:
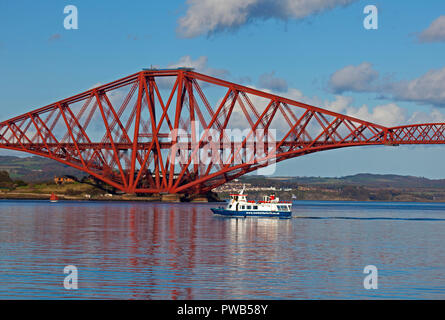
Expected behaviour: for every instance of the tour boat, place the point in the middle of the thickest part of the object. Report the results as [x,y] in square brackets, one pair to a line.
[239,206]
[53,198]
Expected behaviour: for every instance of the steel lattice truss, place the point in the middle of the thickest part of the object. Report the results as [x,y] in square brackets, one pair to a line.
[125,133]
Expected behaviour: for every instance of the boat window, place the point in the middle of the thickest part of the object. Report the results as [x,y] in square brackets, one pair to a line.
[248,207]
[242,207]
[255,207]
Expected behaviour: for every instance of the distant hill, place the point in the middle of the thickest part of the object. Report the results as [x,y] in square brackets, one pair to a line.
[33,169]
[361,179]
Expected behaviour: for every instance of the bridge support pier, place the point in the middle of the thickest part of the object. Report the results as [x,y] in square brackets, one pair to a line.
[171,197]
[207,197]
[177,197]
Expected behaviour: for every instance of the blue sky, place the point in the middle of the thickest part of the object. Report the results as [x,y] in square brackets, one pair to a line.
[41,62]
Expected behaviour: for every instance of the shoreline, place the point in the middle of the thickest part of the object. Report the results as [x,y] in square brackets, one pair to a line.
[168,199]
[124,197]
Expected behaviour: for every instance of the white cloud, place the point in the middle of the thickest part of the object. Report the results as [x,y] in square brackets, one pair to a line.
[435,32]
[389,115]
[434,116]
[427,89]
[210,16]
[200,65]
[340,104]
[270,81]
[354,78]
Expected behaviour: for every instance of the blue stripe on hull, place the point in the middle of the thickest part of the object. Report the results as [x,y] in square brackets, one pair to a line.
[247,213]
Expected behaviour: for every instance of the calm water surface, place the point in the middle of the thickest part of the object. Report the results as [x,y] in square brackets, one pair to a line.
[181,251]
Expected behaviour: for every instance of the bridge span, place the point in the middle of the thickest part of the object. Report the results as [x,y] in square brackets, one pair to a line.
[179,131]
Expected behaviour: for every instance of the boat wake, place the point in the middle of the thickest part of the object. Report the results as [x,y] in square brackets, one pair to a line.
[370,218]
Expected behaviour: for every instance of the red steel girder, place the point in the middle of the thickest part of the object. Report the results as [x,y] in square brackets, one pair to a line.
[125,133]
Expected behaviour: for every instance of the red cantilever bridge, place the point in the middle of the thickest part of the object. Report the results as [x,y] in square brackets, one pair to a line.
[121,132]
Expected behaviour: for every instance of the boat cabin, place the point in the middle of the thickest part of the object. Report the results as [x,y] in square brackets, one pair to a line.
[239,202]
